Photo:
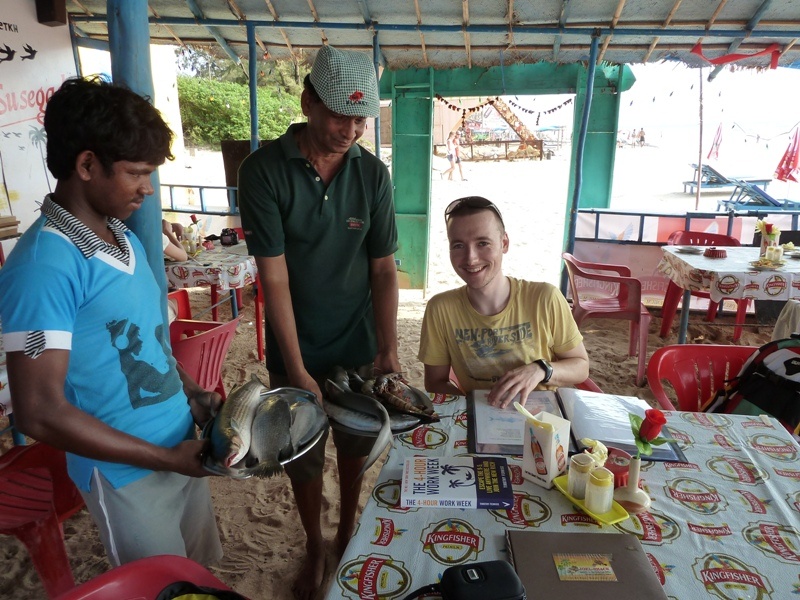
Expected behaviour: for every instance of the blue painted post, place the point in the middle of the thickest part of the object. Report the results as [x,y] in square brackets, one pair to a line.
[581,143]
[129,42]
[376,58]
[252,68]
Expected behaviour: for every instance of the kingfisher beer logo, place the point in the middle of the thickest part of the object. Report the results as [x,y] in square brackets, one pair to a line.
[680,466]
[706,419]
[726,443]
[526,511]
[715,532]
[775,541]
[373,576]
[651,527]
[696,495]
[728,285]
[516,475]
[731,579]
[461,419]
[387,495]
[775,285]
[424,438]
[580,519]
[738,470]
[793,500]
[777,448]
[452,542]
[659,570]
[753,503]
[788,473]
[385,532]
[443,398]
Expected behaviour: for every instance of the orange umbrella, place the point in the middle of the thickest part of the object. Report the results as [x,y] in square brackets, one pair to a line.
[787,169]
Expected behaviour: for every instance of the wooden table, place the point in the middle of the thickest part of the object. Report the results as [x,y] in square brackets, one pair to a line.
[226,267]
[722,525]
[730,277]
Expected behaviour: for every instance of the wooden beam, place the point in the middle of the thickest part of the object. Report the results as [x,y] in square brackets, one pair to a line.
[167,27]
[314,14]
[614,21]
[465,21]
[282,31]
[421,35]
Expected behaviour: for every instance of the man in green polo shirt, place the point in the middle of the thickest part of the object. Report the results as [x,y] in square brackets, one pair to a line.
[318,216]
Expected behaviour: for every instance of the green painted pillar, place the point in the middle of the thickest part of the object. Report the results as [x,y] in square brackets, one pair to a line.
[412,151]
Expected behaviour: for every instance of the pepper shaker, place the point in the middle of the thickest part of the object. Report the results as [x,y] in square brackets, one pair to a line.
[600,491]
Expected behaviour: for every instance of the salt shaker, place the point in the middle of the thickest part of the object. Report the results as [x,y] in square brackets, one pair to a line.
[579,467]
[600,491]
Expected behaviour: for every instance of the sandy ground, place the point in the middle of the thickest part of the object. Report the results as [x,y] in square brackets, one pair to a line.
[261,532]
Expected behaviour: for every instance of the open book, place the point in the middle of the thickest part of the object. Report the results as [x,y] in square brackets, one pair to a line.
[602,417]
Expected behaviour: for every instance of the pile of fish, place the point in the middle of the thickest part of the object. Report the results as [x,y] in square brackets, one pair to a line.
[380,407]
[258,430]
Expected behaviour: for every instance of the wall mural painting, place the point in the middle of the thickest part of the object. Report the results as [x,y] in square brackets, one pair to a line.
[34,61]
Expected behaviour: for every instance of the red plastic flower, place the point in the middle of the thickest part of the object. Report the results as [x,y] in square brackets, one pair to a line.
[654,420]
[356,96]
[645,431]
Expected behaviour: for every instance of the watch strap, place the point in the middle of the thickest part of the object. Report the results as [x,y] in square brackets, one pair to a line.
[548,369]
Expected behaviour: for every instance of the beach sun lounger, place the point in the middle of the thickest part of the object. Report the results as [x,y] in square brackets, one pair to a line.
[713,179]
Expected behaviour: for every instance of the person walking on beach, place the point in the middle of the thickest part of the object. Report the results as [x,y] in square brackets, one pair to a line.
[457,148]
[318,216]
[499,333]
[452,145]
[89,364]
[641,137]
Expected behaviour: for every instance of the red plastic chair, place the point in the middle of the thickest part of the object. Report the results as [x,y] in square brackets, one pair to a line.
[200,347]
[626,304]
[674,294]
[695,372]
[181,299]
[36,495]
[143,579]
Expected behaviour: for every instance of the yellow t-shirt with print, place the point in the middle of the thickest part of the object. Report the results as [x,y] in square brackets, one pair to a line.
[536,323]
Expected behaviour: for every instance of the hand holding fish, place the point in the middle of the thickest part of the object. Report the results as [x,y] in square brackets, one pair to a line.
[187,458]
[387,362]
[306,382]
[204,404]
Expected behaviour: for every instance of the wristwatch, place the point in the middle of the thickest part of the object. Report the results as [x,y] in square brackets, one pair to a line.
[548,369]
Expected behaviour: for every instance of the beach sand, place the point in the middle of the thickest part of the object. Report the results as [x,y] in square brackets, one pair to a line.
[262,537]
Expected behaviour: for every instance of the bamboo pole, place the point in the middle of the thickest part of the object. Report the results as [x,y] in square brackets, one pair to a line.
[699,147]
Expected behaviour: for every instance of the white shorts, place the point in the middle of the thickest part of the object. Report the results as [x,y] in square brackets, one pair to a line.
[163,513]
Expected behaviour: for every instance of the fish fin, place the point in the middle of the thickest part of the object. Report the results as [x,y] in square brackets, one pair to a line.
[264,470]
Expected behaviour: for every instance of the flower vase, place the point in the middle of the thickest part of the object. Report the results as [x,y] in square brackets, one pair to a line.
[630,496]
[769,240]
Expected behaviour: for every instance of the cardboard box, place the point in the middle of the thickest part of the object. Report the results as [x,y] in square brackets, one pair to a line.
[544,452]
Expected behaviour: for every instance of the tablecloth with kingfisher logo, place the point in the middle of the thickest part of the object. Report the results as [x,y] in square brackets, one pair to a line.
[733,276]
[725,524]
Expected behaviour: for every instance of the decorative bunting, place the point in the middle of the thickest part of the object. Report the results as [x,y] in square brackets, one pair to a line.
[465,111]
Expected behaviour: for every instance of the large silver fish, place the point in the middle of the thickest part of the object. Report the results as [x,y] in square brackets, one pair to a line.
[307,421]
[230,430]
[345,398]
[271,440]
[361,421]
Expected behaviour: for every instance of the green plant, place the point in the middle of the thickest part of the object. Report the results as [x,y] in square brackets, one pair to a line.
[212,111]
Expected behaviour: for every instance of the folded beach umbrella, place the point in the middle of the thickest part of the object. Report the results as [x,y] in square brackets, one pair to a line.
[787,169]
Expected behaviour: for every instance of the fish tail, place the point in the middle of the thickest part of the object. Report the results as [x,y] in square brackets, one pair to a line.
[266,469]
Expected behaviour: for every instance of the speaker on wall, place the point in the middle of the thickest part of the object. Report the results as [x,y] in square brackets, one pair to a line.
[51,12]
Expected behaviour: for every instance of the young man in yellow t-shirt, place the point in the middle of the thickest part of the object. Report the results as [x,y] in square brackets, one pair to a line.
[497,332]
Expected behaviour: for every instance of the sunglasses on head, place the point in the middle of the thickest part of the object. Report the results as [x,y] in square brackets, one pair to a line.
[470,202]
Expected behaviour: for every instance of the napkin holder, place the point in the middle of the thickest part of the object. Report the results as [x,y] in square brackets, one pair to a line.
[544,451]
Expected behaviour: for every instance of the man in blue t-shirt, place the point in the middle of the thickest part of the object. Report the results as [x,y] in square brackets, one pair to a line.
[89,362]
